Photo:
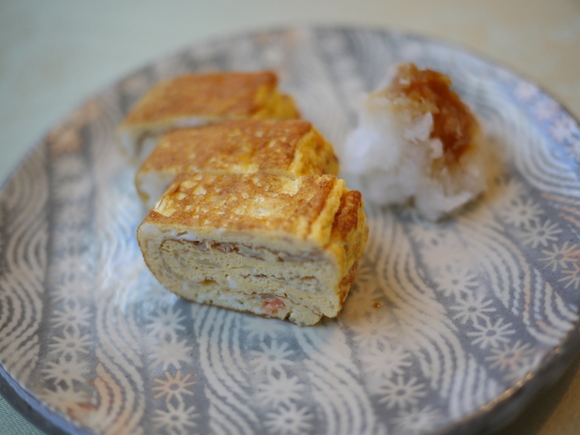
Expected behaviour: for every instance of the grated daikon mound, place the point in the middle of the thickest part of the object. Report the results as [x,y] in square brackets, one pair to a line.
[417,142]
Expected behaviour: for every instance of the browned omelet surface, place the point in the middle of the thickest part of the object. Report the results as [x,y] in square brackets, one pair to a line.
[303,207]
[245,146]
[349,237]
[217,95]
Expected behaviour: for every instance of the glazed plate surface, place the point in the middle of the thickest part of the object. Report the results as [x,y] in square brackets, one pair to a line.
[450,327]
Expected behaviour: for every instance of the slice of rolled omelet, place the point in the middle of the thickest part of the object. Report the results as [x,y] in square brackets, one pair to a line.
[291,147]
[275,246]
[200,99]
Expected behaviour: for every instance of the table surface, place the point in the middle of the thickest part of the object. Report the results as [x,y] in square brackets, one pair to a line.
[55,54]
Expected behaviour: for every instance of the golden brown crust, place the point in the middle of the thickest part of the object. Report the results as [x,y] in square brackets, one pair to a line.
[262,202]
[235,146]
[349,236]
[217,95]
[346,283]
[347,215]
[315,156]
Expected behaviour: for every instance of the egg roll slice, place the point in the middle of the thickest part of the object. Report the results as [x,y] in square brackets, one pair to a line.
[274,246]
[290,147]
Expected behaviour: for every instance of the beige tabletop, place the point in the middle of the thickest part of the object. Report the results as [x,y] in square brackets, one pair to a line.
[55,54]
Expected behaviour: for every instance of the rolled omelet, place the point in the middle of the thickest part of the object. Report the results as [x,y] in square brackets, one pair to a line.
[270,245]
[200,99]
[291,147]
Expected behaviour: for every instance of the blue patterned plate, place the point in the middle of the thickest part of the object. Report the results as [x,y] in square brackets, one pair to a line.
[450,326]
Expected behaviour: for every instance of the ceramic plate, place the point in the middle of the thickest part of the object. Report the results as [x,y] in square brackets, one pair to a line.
[450,326]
